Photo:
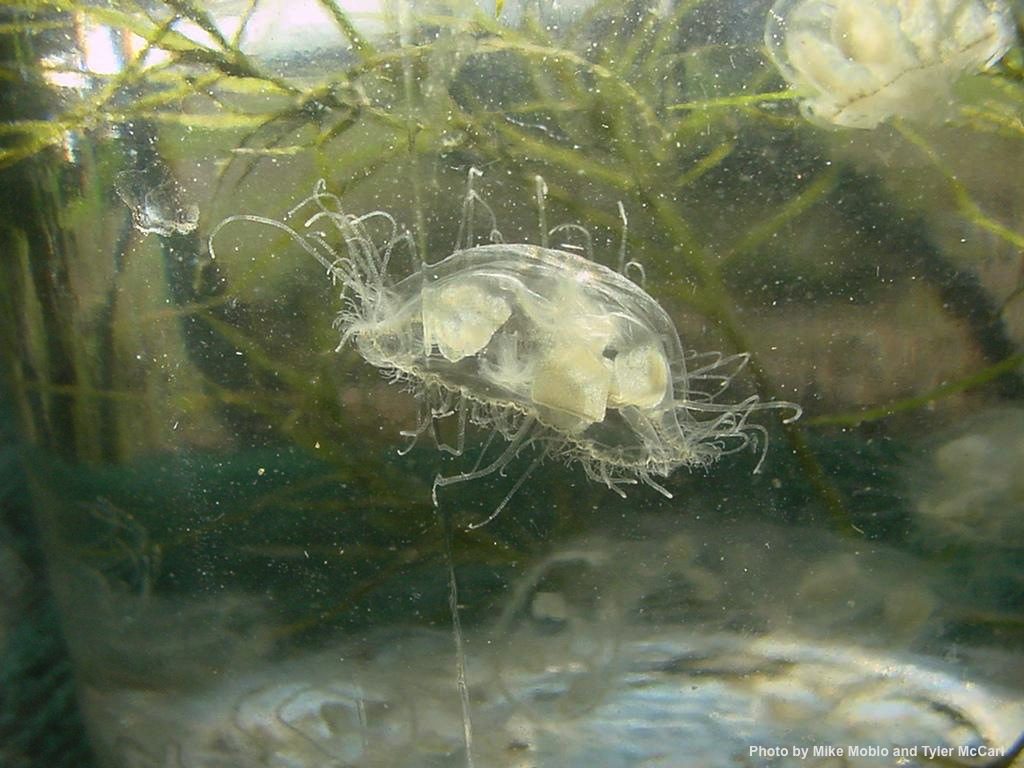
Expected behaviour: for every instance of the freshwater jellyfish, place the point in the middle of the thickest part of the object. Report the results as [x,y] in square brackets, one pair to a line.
[555,353]
[157,201]
[857,63]
[549,350]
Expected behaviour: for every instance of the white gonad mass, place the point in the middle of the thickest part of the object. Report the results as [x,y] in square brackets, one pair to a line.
[856,63]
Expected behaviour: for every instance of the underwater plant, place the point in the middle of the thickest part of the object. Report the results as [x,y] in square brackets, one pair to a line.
[754,228]
[857,63]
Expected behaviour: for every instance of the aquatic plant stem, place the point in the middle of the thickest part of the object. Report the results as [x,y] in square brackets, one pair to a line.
[967,205]
[403,22]
[712,296]
[447,534]
[363,47]
[638,105]
[965,384]
[812,194]
[738,100]
[809,463]
[715,302]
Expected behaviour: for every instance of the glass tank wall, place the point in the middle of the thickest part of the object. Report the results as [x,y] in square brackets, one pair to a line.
[415,383]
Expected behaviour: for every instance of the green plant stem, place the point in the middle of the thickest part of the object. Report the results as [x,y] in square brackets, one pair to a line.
[713,296]
[813,471]
[878,412]
[737,100]
[968,207]
[709,162]
[808,197]
[363,47]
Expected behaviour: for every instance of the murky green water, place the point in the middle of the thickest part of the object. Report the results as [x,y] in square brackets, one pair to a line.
[248,564]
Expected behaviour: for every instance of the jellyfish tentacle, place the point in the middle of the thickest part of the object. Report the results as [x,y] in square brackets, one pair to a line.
[423,423]
[636,265]
[746,407]
[708,406]
[394,240]
[622,243]
[298,237]
[541,193]
[483,450]
[464,239]
[467,236]
[649,481]
[508,496]
[406,239]
[360,245]
[760,430]
[721,369]
[460,438]
[588,239]
[599,474]
[506,456]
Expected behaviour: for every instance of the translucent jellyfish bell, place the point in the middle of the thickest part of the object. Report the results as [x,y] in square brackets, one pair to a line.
[550,351]
[858,62]
[553,352]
